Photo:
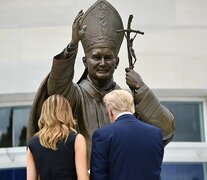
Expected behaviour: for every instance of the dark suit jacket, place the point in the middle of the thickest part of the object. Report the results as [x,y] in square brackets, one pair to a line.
[127,149]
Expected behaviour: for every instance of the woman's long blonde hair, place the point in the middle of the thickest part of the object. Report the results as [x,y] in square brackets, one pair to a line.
[56,121]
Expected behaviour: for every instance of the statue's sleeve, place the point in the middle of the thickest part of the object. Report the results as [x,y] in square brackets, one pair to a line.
[149,109]
[60,80]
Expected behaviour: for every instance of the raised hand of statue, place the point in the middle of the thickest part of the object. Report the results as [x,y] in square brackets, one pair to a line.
[77,31]
[133,79]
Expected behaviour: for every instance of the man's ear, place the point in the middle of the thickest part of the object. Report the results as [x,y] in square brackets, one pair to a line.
[111,116]
[110,112]
[84,61]
[117,62]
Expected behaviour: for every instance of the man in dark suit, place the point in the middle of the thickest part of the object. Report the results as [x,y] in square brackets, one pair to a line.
[126,149]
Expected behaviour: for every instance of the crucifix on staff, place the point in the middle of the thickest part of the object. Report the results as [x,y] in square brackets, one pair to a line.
[131,53]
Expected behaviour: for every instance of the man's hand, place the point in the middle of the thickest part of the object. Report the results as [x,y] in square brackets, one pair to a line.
[133,79]
[77,32]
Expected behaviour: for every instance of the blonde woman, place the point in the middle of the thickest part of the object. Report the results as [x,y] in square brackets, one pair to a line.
[57,151]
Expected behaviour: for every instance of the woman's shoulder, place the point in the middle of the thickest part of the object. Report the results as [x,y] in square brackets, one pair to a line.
[33,141]
[71,137]
[35,138]
[80,137]
[80,141]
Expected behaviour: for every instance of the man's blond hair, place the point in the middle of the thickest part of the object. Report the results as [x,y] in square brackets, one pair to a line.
[120,101]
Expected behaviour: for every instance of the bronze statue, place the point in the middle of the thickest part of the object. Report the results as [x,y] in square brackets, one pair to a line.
[97,31]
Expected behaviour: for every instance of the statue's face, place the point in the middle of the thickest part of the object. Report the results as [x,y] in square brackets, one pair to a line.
[101,63]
